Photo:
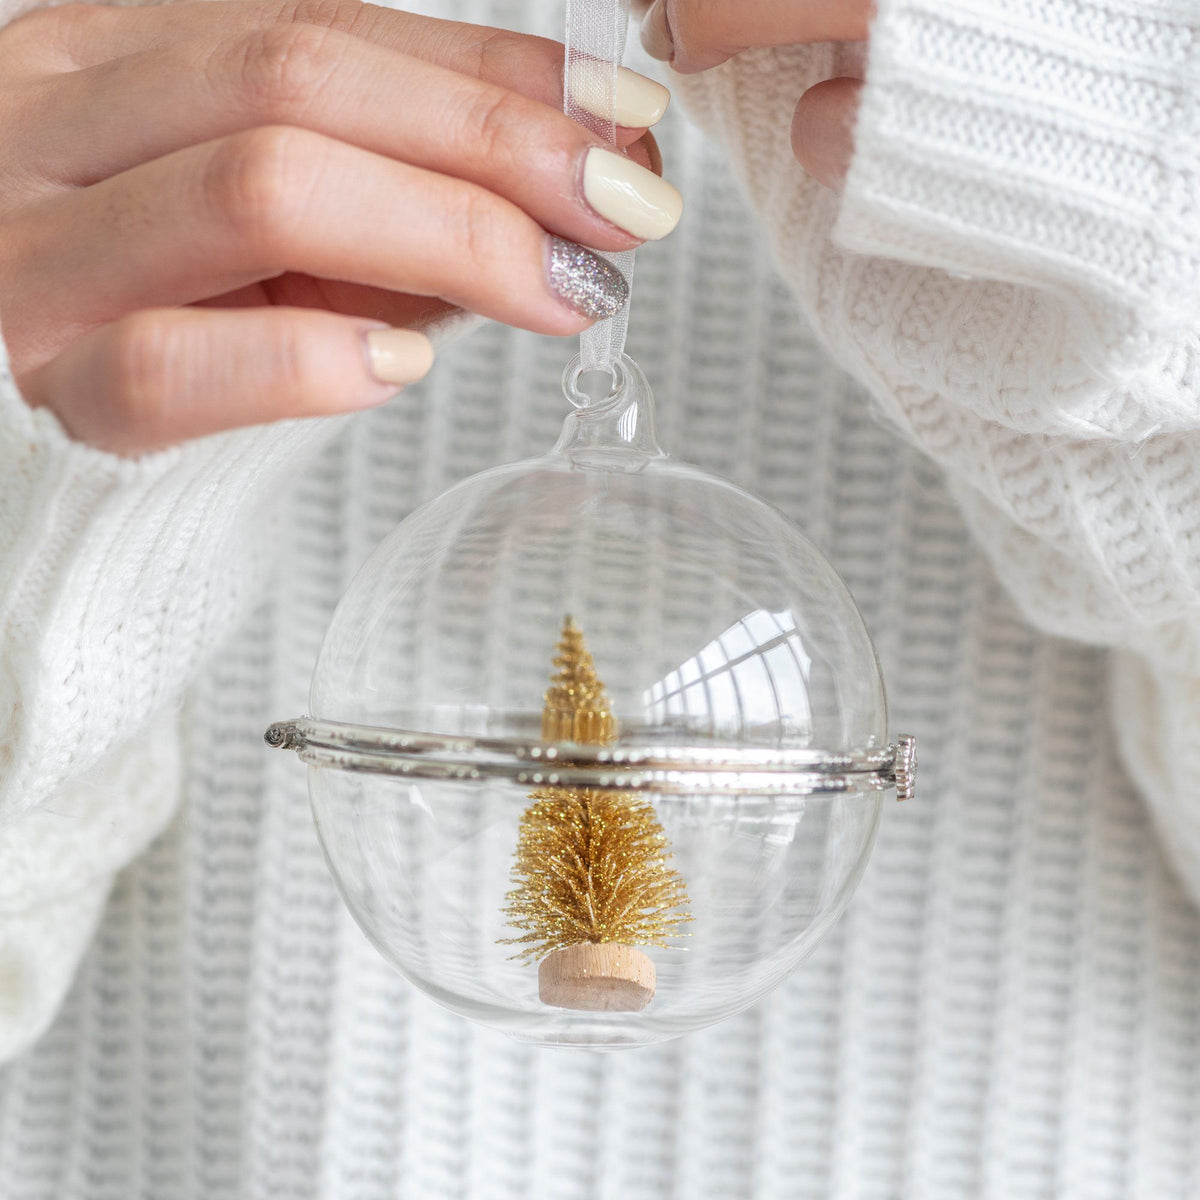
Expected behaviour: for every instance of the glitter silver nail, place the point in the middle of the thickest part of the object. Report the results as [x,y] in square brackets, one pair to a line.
[588,283]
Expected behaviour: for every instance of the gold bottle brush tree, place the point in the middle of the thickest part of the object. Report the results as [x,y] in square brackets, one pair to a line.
[592,879]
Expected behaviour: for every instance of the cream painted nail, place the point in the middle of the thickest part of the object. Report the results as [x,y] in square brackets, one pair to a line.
[399,356]
[628,195]
[637,101]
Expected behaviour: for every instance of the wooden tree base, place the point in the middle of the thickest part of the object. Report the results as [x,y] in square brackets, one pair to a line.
[607,977]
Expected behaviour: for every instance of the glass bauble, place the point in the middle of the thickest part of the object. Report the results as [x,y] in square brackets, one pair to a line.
[608,710]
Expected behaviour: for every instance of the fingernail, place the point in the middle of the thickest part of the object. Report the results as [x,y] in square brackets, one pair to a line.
[588,283]
[636,100]
[399,356]
[656,33]
[630,196]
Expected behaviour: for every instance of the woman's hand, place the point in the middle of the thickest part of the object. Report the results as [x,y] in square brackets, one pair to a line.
[694,35]
[213,214]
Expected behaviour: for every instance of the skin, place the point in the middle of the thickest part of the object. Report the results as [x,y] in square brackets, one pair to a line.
[696,35]
[204,207]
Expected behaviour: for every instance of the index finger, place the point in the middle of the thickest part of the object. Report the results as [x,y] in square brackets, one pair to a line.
[77,36]
[694,35]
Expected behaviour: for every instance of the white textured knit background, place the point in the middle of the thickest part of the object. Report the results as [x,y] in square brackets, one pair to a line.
[1011,1007]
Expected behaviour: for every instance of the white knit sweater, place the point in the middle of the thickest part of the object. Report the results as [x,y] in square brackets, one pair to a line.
[1012,1006]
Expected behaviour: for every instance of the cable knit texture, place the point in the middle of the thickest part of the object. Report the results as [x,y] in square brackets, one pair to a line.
[1010,1009]
[1013,269]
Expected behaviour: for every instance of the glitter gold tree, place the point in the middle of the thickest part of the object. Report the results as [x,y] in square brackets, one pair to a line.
[591,877]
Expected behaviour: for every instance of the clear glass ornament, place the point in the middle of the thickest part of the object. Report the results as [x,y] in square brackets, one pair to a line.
[597,691]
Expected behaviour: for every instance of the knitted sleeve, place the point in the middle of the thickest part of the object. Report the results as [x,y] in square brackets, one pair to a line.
[1013,270]
[117,578]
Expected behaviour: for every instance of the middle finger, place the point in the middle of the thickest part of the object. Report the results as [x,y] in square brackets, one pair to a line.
[358,92]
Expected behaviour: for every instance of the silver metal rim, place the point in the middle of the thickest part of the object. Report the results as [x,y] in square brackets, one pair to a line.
[666,770]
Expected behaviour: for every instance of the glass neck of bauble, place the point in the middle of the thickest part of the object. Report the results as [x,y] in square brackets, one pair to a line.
[613,430]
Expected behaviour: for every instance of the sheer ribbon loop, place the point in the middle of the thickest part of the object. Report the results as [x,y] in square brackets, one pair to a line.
[595,42]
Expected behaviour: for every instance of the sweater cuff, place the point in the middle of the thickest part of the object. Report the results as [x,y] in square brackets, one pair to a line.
[1045,144]
[119,578]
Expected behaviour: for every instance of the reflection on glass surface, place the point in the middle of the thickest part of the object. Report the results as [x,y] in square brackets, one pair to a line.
[757,668]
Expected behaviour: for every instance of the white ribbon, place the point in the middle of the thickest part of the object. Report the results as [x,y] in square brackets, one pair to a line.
[595,46]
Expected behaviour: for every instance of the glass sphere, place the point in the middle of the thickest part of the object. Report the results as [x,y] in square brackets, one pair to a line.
[711,623]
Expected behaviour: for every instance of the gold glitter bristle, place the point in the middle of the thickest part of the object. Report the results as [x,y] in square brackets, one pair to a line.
[576,707]
[591,866]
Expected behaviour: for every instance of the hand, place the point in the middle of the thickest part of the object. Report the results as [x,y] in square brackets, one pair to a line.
[694,35]
[213,214]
